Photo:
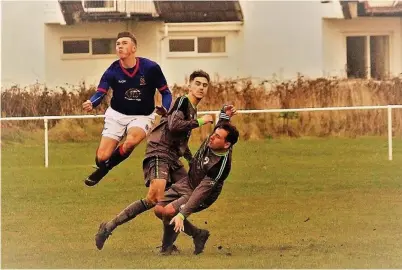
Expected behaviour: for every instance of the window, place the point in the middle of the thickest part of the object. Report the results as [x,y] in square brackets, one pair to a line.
[211,45]
[75,46]
[181,45]
[103,45]
[367,56]
[197,45]
[87,47]
[91,5]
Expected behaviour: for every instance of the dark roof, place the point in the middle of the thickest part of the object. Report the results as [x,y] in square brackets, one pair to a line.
[168,11]
[364,9]
[199,11]
[395,10]
[71,10]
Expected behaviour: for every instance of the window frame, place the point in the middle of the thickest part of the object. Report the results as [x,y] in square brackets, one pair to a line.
[99,9]
[195,53]
[89,55]
[368,34]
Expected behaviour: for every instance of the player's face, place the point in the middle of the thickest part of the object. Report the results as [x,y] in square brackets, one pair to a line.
[125,47]
[199,87]
[217,141]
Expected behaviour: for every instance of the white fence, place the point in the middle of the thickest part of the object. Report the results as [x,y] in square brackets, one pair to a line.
[388,107]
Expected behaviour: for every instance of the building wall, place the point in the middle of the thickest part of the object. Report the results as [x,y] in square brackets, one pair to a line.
[22,46]
[335,32]
[282,38]
[225,66]
[52,12]
[61,70]
[278,38]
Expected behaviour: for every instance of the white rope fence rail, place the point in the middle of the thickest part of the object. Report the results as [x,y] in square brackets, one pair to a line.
[216,113]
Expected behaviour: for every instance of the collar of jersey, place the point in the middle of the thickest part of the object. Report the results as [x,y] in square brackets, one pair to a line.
[219,154]
[195,107]
[136,67]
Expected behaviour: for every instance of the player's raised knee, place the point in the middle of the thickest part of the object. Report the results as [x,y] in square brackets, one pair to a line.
[159,210]
[129,145]
[134,137]
[169,211]
[102,155]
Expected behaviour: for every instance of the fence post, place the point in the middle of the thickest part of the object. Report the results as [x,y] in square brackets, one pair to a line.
[46,142]
[389,132]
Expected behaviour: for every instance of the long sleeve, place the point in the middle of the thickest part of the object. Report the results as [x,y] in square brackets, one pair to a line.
[200,193]
[161,84]
[103,87]
[214,177]
[223,117]
[188,155]
[177,117]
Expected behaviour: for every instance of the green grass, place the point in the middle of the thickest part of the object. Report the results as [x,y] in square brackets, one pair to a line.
[301,203]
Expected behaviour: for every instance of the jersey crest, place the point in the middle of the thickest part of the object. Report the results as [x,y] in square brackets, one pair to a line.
[133,94]
[142,80]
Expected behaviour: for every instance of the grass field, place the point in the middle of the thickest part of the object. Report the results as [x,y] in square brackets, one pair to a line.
[301,203]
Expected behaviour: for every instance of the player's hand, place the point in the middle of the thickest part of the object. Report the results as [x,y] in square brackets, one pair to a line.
[207,119]
[87,106]
[160,110]
[178,223]
[230,110]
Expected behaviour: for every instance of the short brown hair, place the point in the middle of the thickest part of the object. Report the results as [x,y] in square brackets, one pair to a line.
[129,35]
[199,73]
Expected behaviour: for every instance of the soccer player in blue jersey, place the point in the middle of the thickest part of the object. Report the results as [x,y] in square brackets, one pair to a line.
[134,81]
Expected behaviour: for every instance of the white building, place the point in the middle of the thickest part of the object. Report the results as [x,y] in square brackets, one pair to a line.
[65,42]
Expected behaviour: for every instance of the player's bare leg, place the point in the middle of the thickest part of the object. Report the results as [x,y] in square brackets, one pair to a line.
[135,136]
[107,158]
[103,153]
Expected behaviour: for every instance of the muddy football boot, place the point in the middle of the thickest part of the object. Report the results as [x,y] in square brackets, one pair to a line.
[199,241]
[166,251]
[102,235]
[96,176]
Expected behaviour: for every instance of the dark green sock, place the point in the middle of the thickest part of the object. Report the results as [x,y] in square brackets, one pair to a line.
[169,235]
[190,229]
[129,213]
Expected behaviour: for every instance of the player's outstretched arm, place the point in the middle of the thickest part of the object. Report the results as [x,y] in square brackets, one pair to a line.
[161,84]
[87,106]
[179,113]
[188,155]
[227,112]
[100,93]
[94,101]
[199,194]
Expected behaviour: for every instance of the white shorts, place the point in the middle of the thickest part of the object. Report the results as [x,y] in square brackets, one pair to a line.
[117,124]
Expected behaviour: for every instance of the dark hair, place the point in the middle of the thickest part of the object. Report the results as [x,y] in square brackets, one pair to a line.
[199,73]
[233,133]
[129,35]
